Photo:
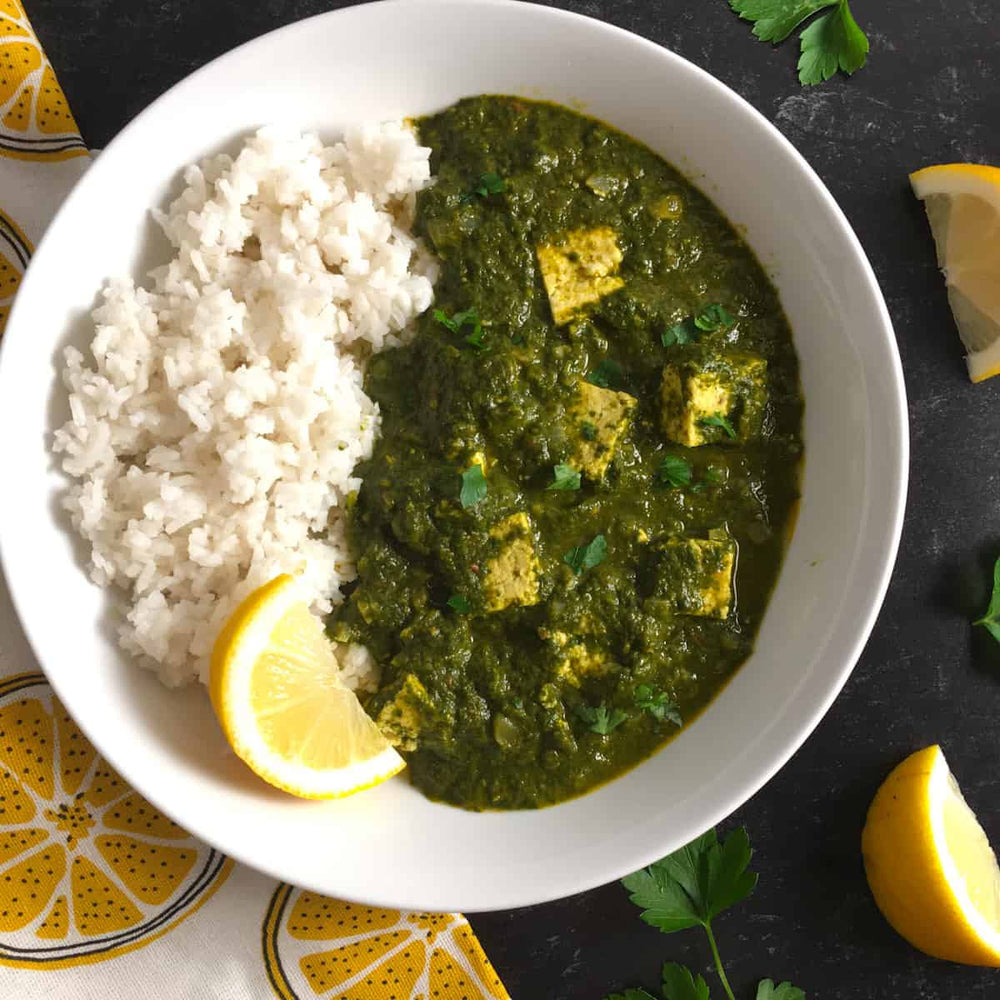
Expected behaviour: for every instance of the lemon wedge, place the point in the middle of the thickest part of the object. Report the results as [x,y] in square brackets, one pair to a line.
[930,866]
[963,207]
[277,693]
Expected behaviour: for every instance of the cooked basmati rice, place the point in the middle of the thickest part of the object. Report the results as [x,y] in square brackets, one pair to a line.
[213,435]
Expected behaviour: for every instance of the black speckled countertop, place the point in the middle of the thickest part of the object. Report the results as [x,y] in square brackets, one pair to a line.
[930,93]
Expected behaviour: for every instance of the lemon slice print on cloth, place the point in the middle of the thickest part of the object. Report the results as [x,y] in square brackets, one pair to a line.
[88,868]
[35,120]
[315,946]
[15,251]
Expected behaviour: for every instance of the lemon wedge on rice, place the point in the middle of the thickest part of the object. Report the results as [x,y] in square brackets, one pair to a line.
[963,207]
[276,690]
[930,866]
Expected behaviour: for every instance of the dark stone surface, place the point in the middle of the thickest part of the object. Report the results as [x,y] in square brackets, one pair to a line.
[931,93]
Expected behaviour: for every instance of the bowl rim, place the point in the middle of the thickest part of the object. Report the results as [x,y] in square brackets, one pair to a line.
[796,733]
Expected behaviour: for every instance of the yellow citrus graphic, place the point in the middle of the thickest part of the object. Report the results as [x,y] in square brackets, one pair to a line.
[14,253]
[315,946]
[35,120]
[88,868]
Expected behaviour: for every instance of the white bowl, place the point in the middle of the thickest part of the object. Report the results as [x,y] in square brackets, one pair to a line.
[391,846]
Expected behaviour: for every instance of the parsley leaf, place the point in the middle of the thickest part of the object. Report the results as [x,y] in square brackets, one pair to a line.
[608,374]
[680,333]
[766,990]
[713,317]
[473,486]
[467,318]
[459,603]
[564,477]
[582,557]
[694,884]
[631,995]
[991,619]
[588,430]
[716,420]
[674,472]
[659,704]
[833,41]
[601,720]
[679,984]
[775,20]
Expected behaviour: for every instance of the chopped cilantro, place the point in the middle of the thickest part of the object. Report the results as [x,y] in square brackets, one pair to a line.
[564,477]
[601,720]
[608,374]
[588,430]
[674,472]
[716,420]
[488,184]
[713,317]
[458,321]
[582,557]
[459,603]
[659,704]
[473,486]
[680,333]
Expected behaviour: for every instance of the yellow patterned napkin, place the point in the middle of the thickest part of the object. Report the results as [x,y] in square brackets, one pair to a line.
[100,894]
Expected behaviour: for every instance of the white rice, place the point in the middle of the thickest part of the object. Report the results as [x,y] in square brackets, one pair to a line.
[214,432]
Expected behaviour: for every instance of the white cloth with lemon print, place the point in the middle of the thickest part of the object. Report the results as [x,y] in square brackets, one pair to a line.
[100,894]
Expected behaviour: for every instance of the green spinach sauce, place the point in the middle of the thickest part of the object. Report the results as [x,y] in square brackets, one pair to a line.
[527,634]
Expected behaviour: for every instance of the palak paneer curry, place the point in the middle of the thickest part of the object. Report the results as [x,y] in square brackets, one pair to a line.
[571,524]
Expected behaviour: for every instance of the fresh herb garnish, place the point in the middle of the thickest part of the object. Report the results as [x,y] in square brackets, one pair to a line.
[674,471]
[713,317]
[473,486]
[607,374]
[716,420]
[601,720]
[582,557]
[486,185]
[680,984]
[459,603]
[564,477]
[680,333]
[588,430]
[458,321]
[659,704]
[766,990]
[991,619]
[689,888]
[832,42]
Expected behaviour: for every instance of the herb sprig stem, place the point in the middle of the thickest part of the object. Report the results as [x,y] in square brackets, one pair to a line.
[717,958]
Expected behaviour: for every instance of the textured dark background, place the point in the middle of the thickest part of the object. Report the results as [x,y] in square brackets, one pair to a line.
[931,93]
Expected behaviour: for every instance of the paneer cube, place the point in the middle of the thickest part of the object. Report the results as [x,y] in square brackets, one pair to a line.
[579,661]
[404,714]
[699,399]
[695,575]
[600,418]
[511,576]
[579,270]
